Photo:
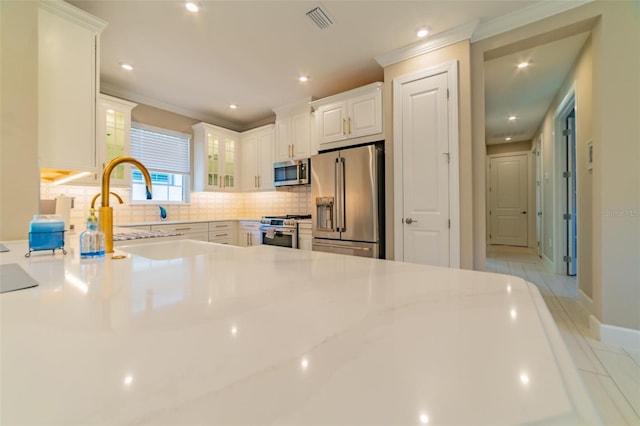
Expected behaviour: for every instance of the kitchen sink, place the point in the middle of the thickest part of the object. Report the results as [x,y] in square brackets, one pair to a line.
[172,249]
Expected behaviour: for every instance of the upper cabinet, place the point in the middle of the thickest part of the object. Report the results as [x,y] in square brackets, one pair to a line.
[350,117]
[68,40]
[114,136]
[113,139]
[293,131]
[214,164]
[257,158]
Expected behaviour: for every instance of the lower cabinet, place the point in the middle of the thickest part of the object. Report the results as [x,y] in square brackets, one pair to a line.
[193,231]
[249,233]
[304,235]
[221,232]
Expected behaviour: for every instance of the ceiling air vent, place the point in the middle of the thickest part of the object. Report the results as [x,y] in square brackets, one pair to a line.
[320,18]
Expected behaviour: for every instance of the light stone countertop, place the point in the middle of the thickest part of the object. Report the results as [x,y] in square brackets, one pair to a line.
[269,335]
[179,221]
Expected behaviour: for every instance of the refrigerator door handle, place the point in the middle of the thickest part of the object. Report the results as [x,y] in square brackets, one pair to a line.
[340,195]
[337,209]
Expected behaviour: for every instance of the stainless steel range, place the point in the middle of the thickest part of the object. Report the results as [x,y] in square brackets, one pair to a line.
[280,231]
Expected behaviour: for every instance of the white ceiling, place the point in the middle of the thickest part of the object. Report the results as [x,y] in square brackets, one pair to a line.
[527,92]
[251,53]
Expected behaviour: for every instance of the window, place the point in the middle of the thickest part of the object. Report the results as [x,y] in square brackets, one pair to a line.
[166,155]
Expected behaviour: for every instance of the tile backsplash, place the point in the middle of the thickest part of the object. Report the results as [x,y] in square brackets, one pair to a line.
[203,205]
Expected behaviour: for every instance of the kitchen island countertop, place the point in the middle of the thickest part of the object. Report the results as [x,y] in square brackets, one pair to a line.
[268,335]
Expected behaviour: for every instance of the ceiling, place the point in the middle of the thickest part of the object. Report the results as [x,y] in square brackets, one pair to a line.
[251,53]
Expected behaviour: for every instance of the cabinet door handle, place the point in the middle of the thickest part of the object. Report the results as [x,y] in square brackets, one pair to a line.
[221,235]
[344,126]
[349,125]
[221,226]
[258,181]
[182,229]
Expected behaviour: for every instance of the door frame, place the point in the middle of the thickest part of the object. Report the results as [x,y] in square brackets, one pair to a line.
[539,219]
[488,196]
[451,69]
[559,186]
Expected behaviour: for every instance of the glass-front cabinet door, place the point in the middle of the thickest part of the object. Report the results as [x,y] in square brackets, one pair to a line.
[229,163]
[113,138]
[213,161]
[214,158]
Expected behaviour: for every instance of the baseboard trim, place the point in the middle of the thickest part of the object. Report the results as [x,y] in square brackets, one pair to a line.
[614,335]
[585,301]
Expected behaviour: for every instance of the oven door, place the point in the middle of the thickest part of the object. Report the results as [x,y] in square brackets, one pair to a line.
[281,237]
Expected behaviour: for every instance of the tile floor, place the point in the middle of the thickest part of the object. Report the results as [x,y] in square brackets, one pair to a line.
[611,374]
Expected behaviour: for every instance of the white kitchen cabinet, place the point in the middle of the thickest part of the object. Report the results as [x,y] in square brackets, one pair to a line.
[248,233]
[293,131]
[214,164]
[113,139]
[191,230]
[68,40]
[354,116]
[304,235]
[221,232]
[257,158]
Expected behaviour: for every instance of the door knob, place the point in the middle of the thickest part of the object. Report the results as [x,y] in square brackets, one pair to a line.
[409,221]
[524,212]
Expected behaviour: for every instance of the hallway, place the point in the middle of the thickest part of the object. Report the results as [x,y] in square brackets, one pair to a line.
[611,374]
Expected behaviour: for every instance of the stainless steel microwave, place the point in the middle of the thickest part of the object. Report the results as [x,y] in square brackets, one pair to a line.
[292,172]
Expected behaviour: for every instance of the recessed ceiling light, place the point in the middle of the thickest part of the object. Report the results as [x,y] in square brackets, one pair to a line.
[191,6]
[423,31]
[523,64]
[508,138]
[303,78]
[233,106]
[512,118]
[127,67]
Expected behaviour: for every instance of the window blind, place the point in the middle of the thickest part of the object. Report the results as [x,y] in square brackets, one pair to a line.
[160,150]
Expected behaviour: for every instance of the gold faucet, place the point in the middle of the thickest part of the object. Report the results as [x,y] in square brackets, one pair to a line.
[95,197]
[106,212]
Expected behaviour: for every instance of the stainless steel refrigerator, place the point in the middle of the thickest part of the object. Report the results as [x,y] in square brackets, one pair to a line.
[347,193]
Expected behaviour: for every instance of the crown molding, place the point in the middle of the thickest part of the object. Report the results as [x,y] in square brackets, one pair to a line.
[74,14]
[519,18]
[476,31]
[141,99]
[438,41]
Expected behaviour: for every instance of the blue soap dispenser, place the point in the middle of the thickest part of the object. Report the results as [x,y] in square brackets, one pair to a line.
[92,240]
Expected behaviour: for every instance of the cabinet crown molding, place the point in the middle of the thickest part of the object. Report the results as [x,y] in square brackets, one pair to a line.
[73,14]
[211,127]
[294,107]
[348,94]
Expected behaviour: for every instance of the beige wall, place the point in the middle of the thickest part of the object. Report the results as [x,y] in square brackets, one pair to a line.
[163,119]
[507,148]
[460,53]
[615,223]
[19,173]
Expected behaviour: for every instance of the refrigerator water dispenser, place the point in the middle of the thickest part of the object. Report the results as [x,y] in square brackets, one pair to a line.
[324,213]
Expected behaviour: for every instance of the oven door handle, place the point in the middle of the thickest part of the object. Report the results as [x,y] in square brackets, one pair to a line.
[280,230]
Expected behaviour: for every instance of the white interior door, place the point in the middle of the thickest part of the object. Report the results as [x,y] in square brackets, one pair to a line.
[508,200]
[425,175]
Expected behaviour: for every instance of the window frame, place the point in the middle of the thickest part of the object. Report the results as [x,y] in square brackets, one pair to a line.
[186,177]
